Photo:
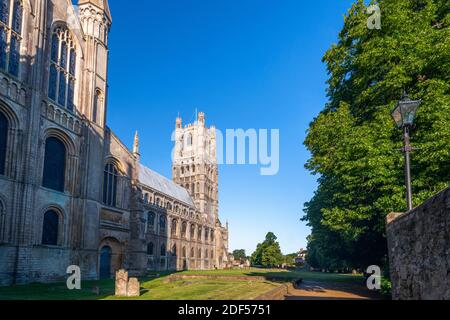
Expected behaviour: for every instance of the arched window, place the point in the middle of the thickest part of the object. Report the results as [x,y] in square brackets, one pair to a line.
[50,228]
[192,231]
[150,249]
[184,229]
[54,164]
[146,198]
[63,57]
[163,252]
[174,227]
[189,140]
[212,235]
[162,224]
[98,106]
[3,141]
[192,253]
[2,222]
[174,250]
[199,233]
[212,254]
[110,180]
[199,253]
[206,235]
[151,221]
[11,15]
[206,254]
[184,253]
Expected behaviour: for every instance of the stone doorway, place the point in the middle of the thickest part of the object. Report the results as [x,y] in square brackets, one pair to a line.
[110,258]
[105,262]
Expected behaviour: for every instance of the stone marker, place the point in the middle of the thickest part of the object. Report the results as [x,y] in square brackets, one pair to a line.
[121,283]
[134,288]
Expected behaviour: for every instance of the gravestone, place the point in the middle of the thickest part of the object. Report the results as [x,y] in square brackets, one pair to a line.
[121,283]
[134,288]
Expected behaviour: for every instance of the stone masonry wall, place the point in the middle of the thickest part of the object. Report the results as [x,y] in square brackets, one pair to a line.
[419,250]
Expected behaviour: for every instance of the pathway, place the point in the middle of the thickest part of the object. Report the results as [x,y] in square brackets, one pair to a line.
[312,290]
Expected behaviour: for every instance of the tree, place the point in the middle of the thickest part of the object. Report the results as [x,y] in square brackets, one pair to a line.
[239,255]
[289,259]
[354,144]
[268,254]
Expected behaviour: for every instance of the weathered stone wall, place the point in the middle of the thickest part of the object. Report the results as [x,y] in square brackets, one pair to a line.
[419,250]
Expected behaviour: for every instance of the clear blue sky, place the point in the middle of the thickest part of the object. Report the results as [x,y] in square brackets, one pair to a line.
[246,64]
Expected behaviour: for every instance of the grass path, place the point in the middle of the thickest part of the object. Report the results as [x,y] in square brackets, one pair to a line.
[156,286]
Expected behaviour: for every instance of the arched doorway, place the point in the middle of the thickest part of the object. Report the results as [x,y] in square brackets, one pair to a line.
[105,262]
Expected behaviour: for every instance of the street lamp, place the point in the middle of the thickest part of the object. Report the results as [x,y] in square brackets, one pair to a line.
[404,115]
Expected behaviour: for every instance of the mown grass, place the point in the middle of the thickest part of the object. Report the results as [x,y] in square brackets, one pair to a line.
[154,287]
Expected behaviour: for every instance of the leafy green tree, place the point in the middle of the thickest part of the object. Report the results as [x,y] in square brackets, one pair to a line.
[268,254]
[289,259]
[239,255]
[354,143]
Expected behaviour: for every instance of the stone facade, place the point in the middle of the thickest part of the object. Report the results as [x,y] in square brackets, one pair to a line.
[111,212]
[419,250]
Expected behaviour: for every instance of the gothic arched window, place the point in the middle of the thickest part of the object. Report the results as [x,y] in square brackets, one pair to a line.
[110,180]
[3,141]
[54,164]
[192,231]
[98,106]
[192,253]
[162,224]
[174,250]
[184,229]
[174,227]
[150,249]
[63,57]
[184,252]
[50,228]
[199,233]
[2,222]
[189,140]
[206,235]
[199,253]
[163,252]
[11,15]
[151,221]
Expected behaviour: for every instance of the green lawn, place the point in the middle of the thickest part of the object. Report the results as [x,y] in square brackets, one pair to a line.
[156,288]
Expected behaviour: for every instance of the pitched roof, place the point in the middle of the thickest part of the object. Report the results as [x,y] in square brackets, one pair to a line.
[101,4]
[160,183]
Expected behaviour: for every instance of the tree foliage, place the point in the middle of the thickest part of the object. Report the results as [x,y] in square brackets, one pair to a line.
[354,144]
[239,255]
[268,254]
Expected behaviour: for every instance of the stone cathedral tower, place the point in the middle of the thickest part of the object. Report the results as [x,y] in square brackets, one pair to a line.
[195,164]
[95,19]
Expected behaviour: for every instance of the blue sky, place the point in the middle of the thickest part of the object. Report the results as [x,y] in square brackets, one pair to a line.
[246,64]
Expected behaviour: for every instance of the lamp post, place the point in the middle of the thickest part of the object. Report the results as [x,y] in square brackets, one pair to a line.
[404,114]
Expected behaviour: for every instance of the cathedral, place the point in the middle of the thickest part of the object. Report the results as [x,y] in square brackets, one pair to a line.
[71,193]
